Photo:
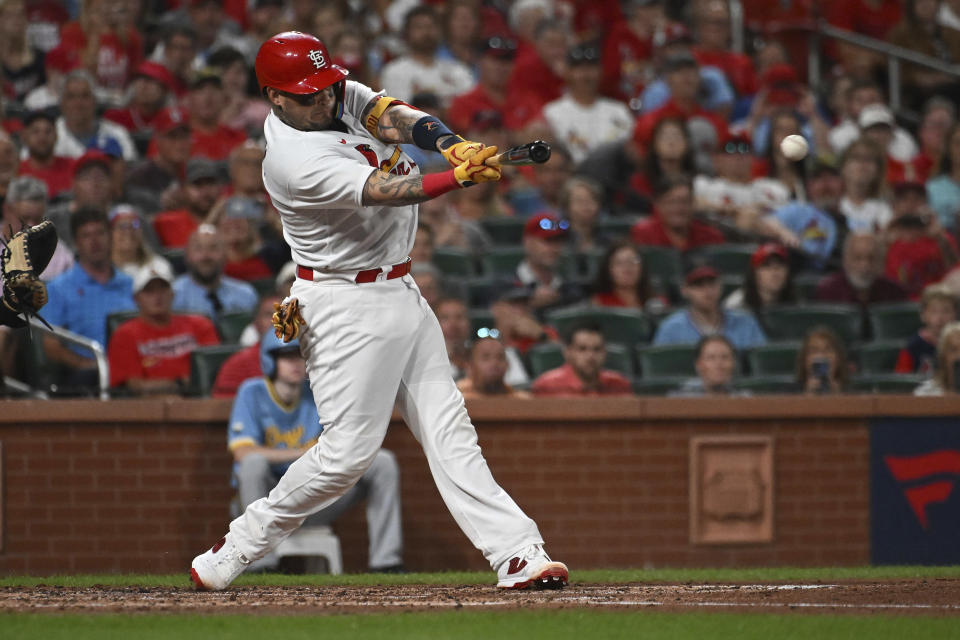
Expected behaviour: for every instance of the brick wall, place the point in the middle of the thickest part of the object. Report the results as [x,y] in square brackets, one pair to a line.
[142,485]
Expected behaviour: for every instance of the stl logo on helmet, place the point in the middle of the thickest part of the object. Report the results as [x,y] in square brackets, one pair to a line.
[316,56]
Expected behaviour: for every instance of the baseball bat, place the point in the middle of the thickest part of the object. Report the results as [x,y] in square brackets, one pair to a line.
[536,152]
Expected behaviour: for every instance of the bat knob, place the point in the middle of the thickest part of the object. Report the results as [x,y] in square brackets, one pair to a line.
[539,151]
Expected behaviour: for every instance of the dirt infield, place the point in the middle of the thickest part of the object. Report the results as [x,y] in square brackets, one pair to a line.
[933,597]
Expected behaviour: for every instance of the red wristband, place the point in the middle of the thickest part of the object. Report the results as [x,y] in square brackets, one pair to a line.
[437,184]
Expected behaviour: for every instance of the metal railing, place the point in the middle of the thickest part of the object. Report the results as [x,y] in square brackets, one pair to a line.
[895,56]
[99,355]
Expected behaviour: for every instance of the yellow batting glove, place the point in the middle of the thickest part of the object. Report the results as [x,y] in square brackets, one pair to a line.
[458,153]
[473,170]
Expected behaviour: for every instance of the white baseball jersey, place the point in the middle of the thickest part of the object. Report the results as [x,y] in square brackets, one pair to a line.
[582,129]
[316,180]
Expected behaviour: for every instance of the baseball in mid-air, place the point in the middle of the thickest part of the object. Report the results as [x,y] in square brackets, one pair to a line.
[794,147]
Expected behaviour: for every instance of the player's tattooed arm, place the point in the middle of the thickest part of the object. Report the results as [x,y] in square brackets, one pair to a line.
[385,189]
[396,123]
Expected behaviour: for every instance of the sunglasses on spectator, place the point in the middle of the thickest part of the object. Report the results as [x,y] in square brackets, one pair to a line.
[488,332]
[127,225]
[554,225]
[741,148]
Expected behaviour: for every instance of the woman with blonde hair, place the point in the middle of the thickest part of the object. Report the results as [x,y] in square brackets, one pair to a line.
[129,251]
[863,170]
[822,366]
[946,376]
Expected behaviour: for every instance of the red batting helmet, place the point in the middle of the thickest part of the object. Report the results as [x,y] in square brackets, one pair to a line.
[296,63]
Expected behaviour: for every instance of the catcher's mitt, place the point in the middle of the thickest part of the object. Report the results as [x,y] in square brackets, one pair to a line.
[24,258]
[287,319]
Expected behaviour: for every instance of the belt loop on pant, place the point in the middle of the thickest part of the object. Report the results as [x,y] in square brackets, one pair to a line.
[365,276]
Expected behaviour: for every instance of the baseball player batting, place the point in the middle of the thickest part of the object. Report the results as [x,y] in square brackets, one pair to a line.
[347,197]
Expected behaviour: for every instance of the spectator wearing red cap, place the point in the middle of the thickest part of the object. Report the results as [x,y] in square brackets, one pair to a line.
[584,352]
[92,188]
[581,119]
[39,137]
[920,252]
[768,281]
[539,68]
[79,128]
[56,64]
[628,48]
[705,316]
[205,103]
[203,186]
[672,223]
[150,354]
[149,93]
[544,237]
[153,184]
[22,63]
[106,41]
[497,55]
[711,26]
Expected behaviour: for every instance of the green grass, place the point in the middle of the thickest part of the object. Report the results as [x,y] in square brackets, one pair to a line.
[469,625]
[609,576]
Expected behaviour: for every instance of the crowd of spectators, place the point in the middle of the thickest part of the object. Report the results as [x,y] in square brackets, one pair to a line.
[668,216]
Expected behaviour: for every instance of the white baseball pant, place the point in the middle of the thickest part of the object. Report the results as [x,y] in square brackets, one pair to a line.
[367,345]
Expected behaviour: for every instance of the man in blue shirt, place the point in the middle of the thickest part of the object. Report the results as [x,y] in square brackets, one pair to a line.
[274,422]
[82,297]
[204,290]
[704,316]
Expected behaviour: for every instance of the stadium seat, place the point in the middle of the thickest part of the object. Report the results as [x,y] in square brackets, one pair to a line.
[265,286]
[887,383]
[623,326]
[774,359]
[504,231]
[453,262]
[544,357]
[806,285]
[205,362]
[788,322]
[230,326]
[581,265]
[616,228]
[666,360]
[760,385]
[732,259]
[658,386]
[175,258]
[502,261]
[898,320]
[480,291]
[879,356]
[662,264]
[114,320]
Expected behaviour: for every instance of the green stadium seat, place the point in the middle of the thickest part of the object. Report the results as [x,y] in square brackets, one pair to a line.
[205,363]
[899,320]
[616,228]
[773,359]
[733,259]
[230,325]
[788,322]
[543,357]
[879,356]
[175,257]
[666,360]
[479,319]
[806,285]
[623,326]
[502,261]
[731,282]
[265,286]
[581,265]
[480,290]
[662,264]
[760,385]
[887,383]
[114,320]
[658,386]
[504,231]
[453,262]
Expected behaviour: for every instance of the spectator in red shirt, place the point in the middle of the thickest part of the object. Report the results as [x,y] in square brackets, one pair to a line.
[239,220]
[149,92]
[672,223]
[711,25]
[627,50]
[155,183]
[583,374]
[539,69]
[106,40]
[497,55]
[938,308]
[241,366]
[622,280]
[205,102]
[39,136]
[872,18]
[201,191]
[150,354]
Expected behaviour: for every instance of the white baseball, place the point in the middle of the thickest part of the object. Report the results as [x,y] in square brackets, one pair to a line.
[794,147]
